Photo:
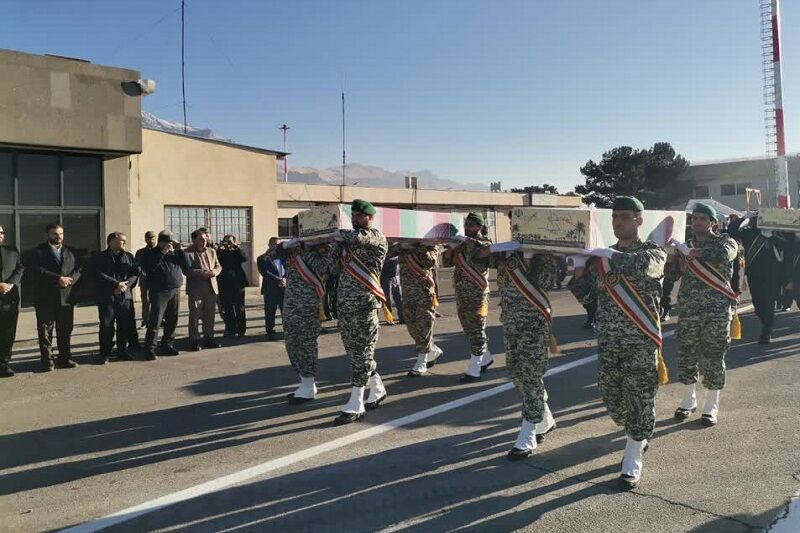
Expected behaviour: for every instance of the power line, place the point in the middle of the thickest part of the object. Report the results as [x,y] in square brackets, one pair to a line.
[153,25]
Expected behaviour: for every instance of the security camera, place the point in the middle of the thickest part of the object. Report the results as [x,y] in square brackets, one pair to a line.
[146,86]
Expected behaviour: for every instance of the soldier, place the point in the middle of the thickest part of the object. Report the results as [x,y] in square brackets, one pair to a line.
[471,283]
[627,277]
[523,279]
[706,299]
[417,263]
[764,267]
[306,270]
[361,252]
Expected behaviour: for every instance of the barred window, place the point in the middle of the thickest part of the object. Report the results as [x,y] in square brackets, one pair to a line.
[183,220]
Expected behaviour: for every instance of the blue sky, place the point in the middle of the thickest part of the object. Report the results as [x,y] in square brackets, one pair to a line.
[518,91]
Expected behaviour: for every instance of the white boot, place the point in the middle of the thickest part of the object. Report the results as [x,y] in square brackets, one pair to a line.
[356,402]
[632,462]
[547,423]
[526,440]
[421,366]
[377,392]
[711,408]
[307,388]
[474,366]
[434,354]
[487,359]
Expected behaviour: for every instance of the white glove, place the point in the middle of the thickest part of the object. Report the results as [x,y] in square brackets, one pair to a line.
[509,246]
[602,252]
[291,243]
[578,261]
[744,224]
[682,247]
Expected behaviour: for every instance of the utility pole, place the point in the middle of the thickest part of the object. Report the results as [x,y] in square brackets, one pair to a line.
[285,129]
[183,63]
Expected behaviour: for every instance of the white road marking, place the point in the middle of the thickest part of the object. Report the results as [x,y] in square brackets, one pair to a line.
[236,478]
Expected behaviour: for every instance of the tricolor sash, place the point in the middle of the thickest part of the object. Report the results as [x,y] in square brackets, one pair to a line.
[473,275]
[516,273]
[710,276]
[363,275]
[309,276]
[417,269]
[630,301]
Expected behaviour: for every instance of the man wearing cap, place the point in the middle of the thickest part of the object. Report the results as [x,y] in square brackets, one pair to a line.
[627,278]
[150,239]
[360,254]
[416,264]
[706,300]
[471,283]
[163,266]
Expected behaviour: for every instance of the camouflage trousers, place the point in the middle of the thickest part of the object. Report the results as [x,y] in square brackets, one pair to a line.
[527,345]
[420,315]
[473,324]
[628,380]
[703,341]
[301,330]
[359,329]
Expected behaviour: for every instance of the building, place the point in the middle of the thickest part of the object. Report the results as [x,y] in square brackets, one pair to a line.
[73,151]
[726,180]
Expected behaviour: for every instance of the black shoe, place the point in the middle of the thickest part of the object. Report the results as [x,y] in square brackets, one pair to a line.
[229,334]
[66,362]
[466,378]
[708,421]
[47,365]
[271,335]
[371,406]
[211,344]
[765,339]
[683,414]
[194,347]
[6,372]
[168,349]
[101,360]
[135,346]
[123,355]
[627,482]
[346,418]
[588,324]
[540,437]
[295,400]
[240,334]
[485,367]
[150,354]
[515,454]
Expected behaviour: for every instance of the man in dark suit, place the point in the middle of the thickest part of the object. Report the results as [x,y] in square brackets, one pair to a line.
[55,271]
[273,285]
[10,277]
[163,266]
[232,282]
[150,243]
[116,274]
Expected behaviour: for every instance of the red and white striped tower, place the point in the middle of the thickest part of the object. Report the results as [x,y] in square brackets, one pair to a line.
[773,98]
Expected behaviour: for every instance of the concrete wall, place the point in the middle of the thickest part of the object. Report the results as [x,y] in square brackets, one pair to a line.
[183,171]
[53,102]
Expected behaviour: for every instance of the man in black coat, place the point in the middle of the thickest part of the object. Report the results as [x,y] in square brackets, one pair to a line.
[163,267]
[273,285]
[116,274]
[10,277]
[232,282]
[55,270]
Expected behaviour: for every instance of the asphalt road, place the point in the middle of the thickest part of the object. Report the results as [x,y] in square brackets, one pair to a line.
[206,442]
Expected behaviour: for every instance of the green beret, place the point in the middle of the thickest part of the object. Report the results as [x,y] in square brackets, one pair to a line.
[627,203]
[363,206]
[477,217]
[705,209]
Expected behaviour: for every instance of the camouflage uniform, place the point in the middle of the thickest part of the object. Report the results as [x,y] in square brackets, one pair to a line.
[627,359]
[301,309]
[527,332]
[357,306]
[704,325]
[472,302]
[418,296]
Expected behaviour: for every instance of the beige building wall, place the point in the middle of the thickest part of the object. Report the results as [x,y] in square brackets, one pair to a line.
[174,170]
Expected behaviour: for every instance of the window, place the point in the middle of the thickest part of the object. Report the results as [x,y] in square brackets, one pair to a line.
[6,179]
[701,191]
[727,189]
[39,179]
[83,180]
[220,221]
[285,228]
[740,187]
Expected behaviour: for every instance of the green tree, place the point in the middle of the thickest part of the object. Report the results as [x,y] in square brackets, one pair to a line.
[537,189]
[650,174]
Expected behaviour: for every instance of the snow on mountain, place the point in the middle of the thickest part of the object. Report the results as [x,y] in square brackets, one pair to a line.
[372,176]
[150,121]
